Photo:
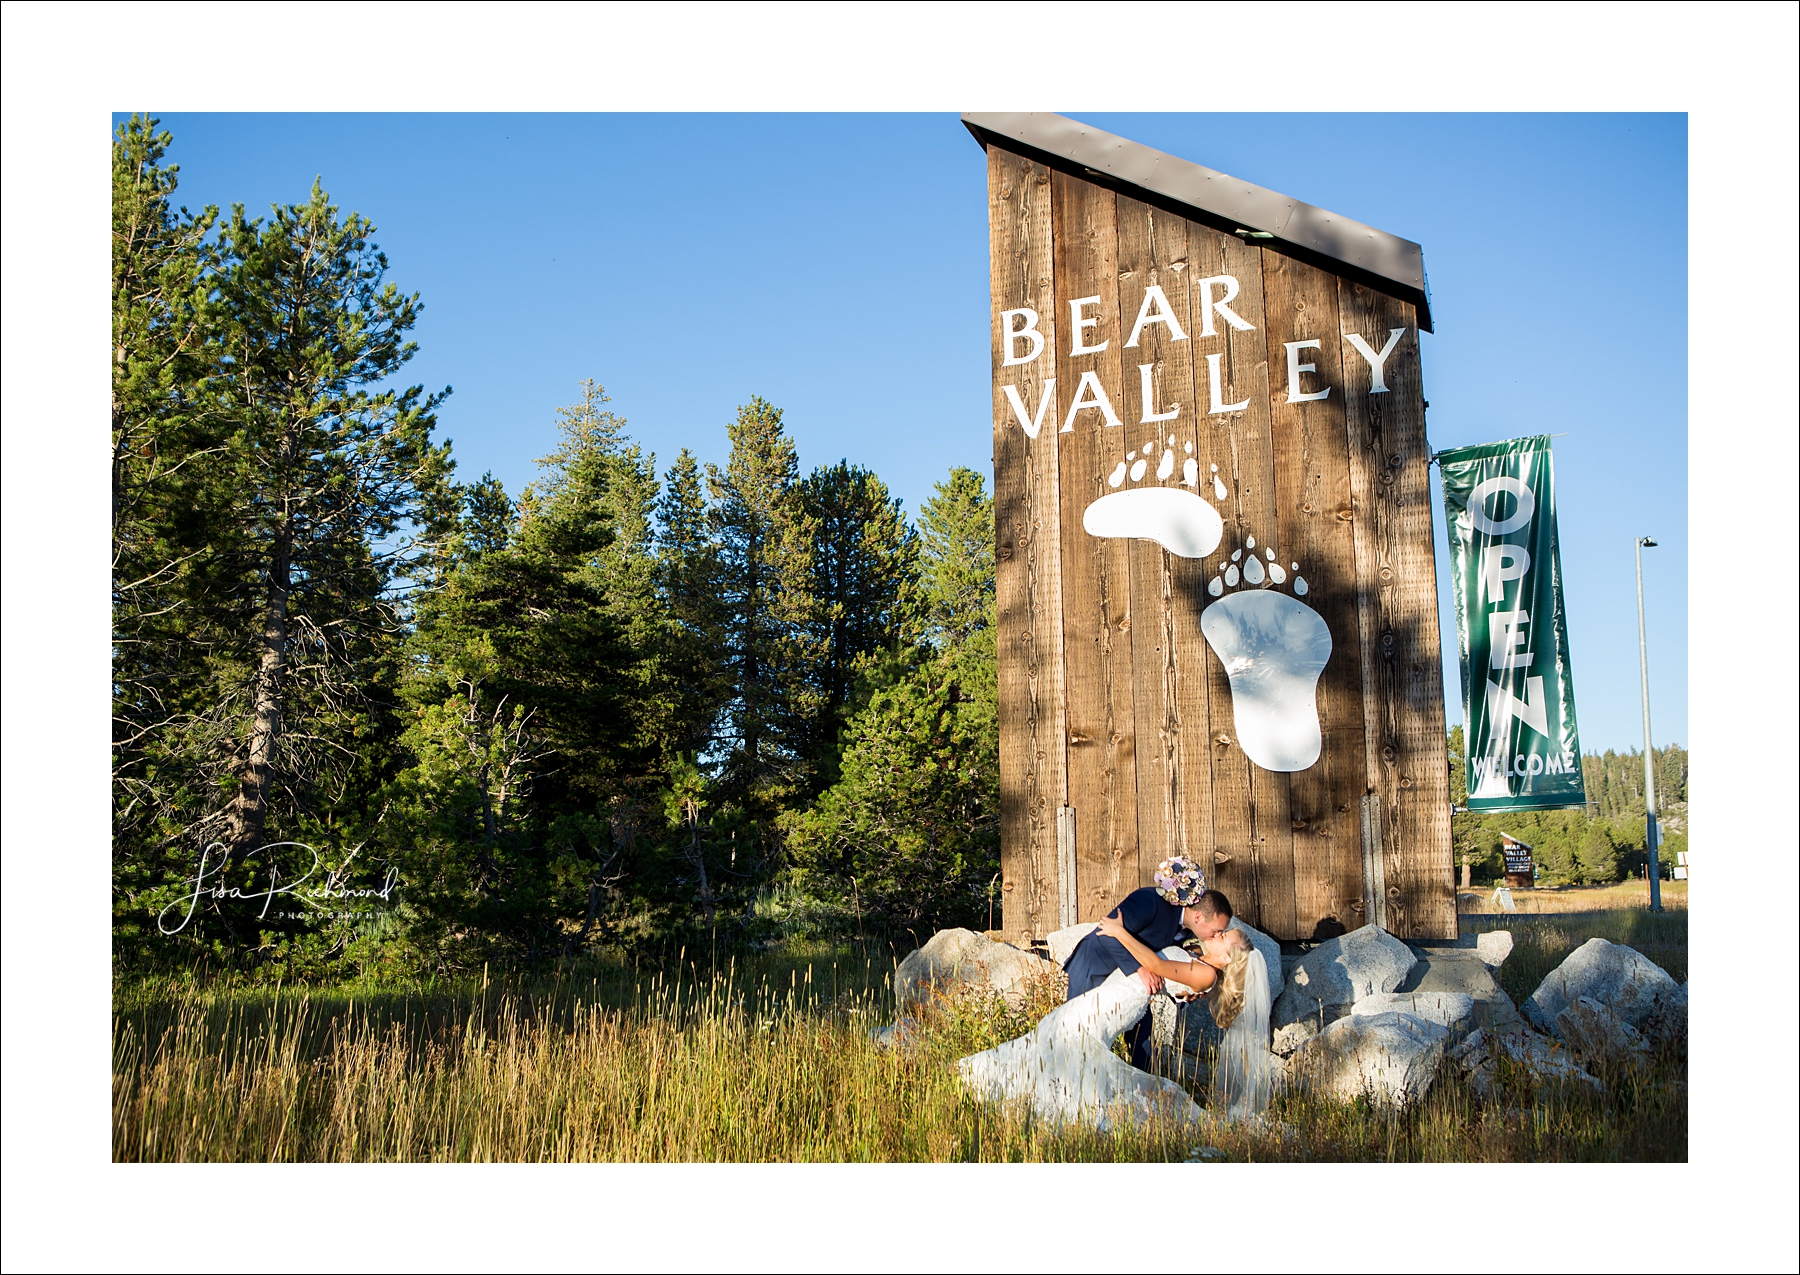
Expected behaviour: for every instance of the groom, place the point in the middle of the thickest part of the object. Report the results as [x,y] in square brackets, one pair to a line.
[1156,916]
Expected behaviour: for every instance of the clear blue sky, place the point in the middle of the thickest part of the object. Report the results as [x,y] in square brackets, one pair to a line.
[837,266]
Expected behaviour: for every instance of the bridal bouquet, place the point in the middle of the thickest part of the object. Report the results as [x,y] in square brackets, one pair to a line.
[1180,881]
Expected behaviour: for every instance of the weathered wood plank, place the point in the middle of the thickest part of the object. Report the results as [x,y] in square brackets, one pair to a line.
[1033,765]
[1244,377]
[1406,750]
[1312,484]
[1096,572]
[1253,842]
[1174,773]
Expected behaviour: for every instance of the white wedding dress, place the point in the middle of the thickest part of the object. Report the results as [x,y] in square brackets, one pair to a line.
[1066,1070]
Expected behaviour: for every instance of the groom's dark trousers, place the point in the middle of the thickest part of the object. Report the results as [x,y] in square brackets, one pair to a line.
[1156,924]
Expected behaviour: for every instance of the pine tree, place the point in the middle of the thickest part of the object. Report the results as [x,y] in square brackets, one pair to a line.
[913,820]
[1551,853]
[562,617]
[543,708]
[331,477]
[1596,855]
[764,541]
[167,507]
[598,473]
[958,546]
[488,515]
[687,572]
[864,568]
[163,328]
[270,507]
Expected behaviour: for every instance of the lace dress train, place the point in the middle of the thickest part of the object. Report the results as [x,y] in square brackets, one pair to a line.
[1066,1068]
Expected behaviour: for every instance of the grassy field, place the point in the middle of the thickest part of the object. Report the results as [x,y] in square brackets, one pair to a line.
[1549,924]
[767,1062]
[1621,896]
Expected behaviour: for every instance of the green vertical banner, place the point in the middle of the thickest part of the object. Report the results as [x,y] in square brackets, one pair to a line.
[1522,749]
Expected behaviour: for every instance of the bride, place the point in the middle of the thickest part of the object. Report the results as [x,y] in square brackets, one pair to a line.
[1066,1069]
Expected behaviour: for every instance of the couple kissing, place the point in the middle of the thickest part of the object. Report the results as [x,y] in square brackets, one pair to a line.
[1065,1067]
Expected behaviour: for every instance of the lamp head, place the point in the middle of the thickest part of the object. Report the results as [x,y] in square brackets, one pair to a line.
[1647,541]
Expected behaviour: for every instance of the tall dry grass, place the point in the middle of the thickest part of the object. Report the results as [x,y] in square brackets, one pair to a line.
[767,1062]
[1620,896]
[1549,924]
[736,1066]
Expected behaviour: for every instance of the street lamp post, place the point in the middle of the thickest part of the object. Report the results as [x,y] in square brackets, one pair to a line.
[1643,543]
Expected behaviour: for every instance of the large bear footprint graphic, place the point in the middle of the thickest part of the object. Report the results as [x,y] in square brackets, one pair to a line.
[1177,520]
[1274,646]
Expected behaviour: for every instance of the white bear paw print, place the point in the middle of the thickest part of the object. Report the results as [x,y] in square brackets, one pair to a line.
[1180,521]
[1274,648]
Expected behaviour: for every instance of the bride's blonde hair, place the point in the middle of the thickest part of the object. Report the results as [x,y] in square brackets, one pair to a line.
[1228,997]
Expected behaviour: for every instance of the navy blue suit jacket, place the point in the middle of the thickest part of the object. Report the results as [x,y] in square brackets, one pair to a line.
[1154,922]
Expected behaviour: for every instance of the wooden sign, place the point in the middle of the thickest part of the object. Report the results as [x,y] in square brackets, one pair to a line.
[1217,597]
[1521,872]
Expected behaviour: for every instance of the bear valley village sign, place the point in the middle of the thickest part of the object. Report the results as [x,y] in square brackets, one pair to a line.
[1218,614]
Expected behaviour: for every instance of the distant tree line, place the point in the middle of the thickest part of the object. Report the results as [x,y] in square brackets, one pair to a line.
[371,717]
[1604,842]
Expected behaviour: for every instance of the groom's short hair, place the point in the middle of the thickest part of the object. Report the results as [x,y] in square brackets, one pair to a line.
[1214,903]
